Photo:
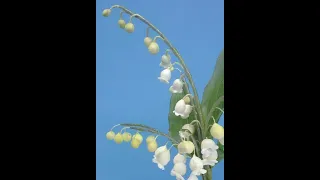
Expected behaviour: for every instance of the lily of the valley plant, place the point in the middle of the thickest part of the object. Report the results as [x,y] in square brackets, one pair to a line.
[193,125]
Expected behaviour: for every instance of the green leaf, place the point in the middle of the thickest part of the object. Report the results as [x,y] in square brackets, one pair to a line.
[220,152]
[213,95]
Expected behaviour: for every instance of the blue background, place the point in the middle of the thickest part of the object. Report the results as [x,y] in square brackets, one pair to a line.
[127,86]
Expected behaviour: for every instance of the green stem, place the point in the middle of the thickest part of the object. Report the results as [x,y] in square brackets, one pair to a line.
[176,53]
[221,99]
[208,175]
[197,148]
[199,129]
[141,127]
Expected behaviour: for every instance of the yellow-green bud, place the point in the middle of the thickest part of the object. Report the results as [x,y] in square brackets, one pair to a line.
[129,27]
[106,12]
[110,135]
[122,23]
[118,138]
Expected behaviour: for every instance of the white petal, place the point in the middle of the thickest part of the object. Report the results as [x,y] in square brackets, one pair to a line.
[188,127]
[173,173]
[164,65]
[205,153]
[196,164]
[193,177]
[163,80]
[180,168]
[154,160]
[179,177]
[188,109]
[164,157]
[208,143]
[175,113]
[177,86]
[209,152]
[165,74]
[177,91]
[180,107]
[196,172]
[183,116]
[160,167]
[211,160]
[184,134]
[179,159]
[203,171]
[160,149]
[208,162]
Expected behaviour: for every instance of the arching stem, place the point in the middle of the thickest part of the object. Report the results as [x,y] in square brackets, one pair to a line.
[176,53]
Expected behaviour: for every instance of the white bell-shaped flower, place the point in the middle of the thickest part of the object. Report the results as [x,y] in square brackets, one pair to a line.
[184,134]
[179,158]
[186,112]
[211,160]
[165,76]
[179,170]
[196,166]
[179,108]
[161,157]
[208,147]
[177,86]
[165,61]
[186,131]
[192,177]
[188,127]
[221,141]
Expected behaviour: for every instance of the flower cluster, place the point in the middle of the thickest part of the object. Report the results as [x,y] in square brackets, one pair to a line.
[206,154]
[162,155]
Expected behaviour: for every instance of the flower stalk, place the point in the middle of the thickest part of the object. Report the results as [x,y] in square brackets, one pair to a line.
[176,53]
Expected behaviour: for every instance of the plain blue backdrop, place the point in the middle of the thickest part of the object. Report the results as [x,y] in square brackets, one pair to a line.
[127,86]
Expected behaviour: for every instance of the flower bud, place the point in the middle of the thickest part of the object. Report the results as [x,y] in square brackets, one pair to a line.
[118,138]
[110,135]
[153,48]
[150,139]
[122,23]
[185,147]
[126,136]
[106,12]
[165,61]
[138,137]
[217,131]
[135,143]
[129,27]
[147,41]
[186,100]
[152,146]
